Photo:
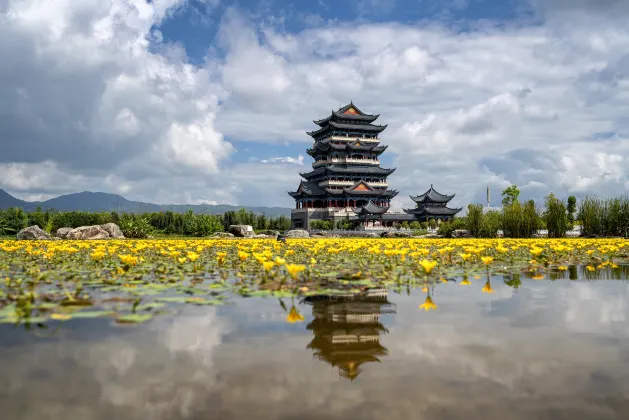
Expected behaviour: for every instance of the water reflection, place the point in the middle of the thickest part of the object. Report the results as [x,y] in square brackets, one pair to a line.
[347,329]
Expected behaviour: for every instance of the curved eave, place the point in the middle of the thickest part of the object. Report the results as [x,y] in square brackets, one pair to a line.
[358,127]
[433,196]
[445,211]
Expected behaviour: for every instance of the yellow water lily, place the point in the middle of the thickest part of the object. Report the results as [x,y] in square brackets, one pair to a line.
[487,288]
[428,304]
[294,269]
[428,265]
[487,260]
[294,315]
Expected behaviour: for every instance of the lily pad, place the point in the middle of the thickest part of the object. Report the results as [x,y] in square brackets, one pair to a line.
[134,318]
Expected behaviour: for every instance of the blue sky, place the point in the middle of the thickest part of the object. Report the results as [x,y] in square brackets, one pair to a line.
[209,101]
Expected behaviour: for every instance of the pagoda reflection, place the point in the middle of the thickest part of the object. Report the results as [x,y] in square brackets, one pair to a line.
[347,329]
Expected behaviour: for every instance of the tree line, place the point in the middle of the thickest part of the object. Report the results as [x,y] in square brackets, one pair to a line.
[140,225]
[601,217]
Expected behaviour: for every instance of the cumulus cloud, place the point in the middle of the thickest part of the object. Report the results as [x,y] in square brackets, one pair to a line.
[91,91]
[84,96]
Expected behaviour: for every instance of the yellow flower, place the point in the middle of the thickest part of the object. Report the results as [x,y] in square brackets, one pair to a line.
[428,304]
[242,255]
[295,269]
[294,316]
[97,255]
[193,256]
[428,265]
[487,288]
[182,260]
[268,265]
[313,261]
[562,268]
[487,260]
[465,256]
[128,259]
[465,281]
[538,277]
[590,268]
[536,250]
[60,317]
[280,261]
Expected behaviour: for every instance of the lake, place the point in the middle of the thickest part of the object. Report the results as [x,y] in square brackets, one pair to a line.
[530,349]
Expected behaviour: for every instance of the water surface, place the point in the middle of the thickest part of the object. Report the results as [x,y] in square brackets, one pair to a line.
[544,350]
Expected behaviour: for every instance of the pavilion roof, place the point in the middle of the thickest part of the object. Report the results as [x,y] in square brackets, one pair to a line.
[370,208]
[432,196]
[433,211]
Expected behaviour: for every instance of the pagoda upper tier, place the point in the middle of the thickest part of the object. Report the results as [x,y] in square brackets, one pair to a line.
[347,170]
[326,147]
[350,121]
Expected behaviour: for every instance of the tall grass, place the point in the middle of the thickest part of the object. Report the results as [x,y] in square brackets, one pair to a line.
[604,217]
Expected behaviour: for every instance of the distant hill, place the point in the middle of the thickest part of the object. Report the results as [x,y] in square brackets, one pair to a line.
[98,201]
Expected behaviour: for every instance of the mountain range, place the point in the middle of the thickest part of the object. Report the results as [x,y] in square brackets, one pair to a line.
[98,201]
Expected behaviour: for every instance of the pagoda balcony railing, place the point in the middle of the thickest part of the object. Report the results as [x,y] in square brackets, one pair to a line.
[353,138]
[349,183]
[347,160]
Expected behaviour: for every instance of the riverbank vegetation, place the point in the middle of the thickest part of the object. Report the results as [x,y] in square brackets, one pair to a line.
[140,225]
[601,217]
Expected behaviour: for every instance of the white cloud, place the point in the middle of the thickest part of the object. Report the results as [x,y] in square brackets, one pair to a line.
[295,161]
[90,91]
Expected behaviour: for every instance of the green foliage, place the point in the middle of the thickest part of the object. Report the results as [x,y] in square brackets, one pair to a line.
[604,217]
[13,220]
[474,219]
[415,225]
[446,228]
[135,226]
[556,217]
[344,224]
[571,208]
[510,195]
[322,224]
[520,221]
[490,224]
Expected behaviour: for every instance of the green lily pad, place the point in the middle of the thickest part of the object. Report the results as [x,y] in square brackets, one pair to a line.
[91,314]
[133,318]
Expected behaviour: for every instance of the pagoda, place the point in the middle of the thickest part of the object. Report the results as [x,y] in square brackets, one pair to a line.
[432,205]
[347,329]
[346,177]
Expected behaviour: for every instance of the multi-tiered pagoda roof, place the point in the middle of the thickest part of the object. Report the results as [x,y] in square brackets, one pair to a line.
[432,204]
[346,172]
[347,329]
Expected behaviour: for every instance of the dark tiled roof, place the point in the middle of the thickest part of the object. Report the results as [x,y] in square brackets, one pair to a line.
[370,128]
[347,169]
[433,211]
[308,188]
[370,208]
[340,114]
[432,196]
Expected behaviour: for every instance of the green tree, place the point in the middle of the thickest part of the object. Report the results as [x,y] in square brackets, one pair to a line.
[556,217]
[510,195]
[571,208]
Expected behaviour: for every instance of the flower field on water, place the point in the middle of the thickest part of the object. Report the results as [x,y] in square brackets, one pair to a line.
[131,281]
